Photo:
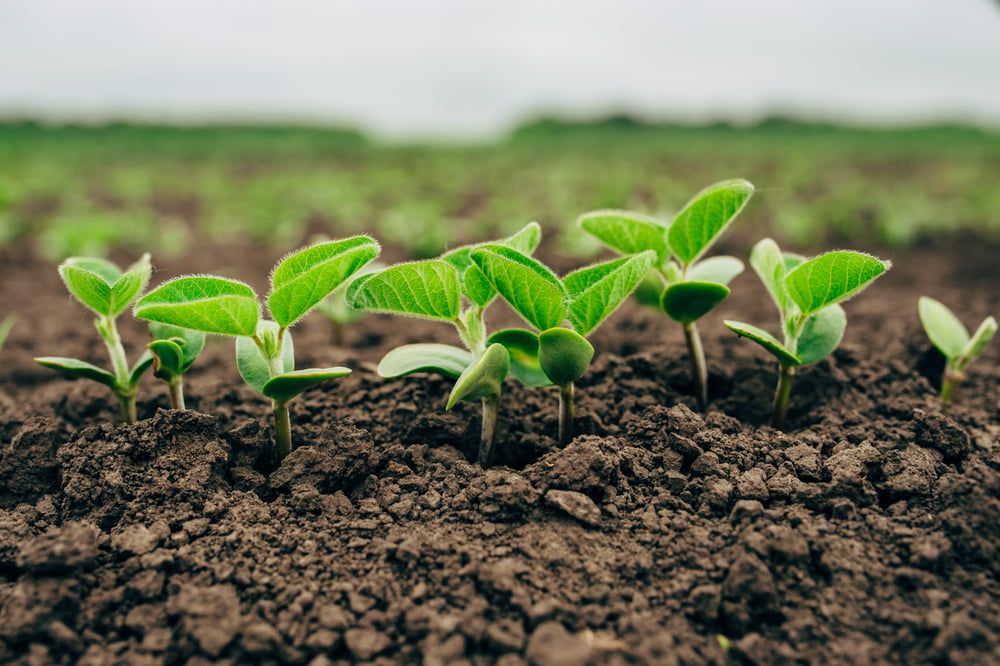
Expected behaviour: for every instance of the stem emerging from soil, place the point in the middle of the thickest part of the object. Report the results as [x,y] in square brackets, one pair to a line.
[949,382]
[565,414]
[176,388]
[282,432]
[127,404]
[487,437]
[781,395]
[699,369]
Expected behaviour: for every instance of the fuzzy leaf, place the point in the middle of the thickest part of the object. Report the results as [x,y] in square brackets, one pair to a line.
[529,287]
[77,368]
[304,278]
[202,303]
[128,287]
[283,388]
[426,289]
[705,217]
[564,355]
[688,301]
[522,346]
[526,239]
[168,358]
[980,339]
[831,278]
[943,328]
[405,360]
[106,269]
[142,364]
[483,379]
[765,340]
[721,269]
[768,262]
[193,342]
[821,334]
[595,292]
[91,289]
[628,233]
[475,286]
[250,360]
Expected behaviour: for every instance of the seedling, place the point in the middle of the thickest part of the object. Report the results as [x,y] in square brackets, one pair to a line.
[339,312]
[265,355]
[586,297]
[681,284]
[107,291]
[952,339]
[808,293]
[174,351]
[5,327]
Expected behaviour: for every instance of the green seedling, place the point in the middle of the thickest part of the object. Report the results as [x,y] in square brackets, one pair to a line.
[265,355]
[553,353]
[952,339]
[681,283]
[174,351]
[808,293]
[339,312]
[451,289]
[107,291]
[5,327]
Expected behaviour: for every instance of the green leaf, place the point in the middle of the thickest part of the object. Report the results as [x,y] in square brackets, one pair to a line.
[128,287]
[77,368]
[649,290]
[304,278]
[283,388]
[192,342]
[705,217]
[427,289]
[5,328]
[483,379]
[943,328]
[529,287]
[91,289]
[628,233]
[522,347]
[144,363]
[202,303]
[168,358]
[769,264]
[475,286]
[102,267]
[447,360]
[686,302]
[980,339]
[564,355]
[250,360]
[721,269]
[596,291]
[765,340]
[831,278]
[821,334]
[526,239]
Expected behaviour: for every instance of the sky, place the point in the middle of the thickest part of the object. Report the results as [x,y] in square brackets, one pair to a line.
[474,68]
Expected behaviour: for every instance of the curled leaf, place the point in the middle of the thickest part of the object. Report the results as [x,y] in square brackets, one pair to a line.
[686,302]
[284,387]
[522,346]
[564,355]
[447,360]
[765,340]
[484,378]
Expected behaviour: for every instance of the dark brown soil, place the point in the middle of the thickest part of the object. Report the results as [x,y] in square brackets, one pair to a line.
[868,533]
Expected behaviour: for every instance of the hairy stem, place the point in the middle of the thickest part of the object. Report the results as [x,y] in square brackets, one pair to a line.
[699,369]
[176,389]
[116,352]
[282,432]
[566,414]
[487,437]
[781,394]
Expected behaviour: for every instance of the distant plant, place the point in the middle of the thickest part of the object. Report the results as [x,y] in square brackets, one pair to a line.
[339,312]
[5,328]
[552,353]
[454,290]
[265,355]
[681,284]
[174,351]
[952,339]
[107,291]
[807,293]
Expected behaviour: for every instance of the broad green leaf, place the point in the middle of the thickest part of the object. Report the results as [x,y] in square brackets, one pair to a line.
[475,286]
[943,328]
[769,264]
[283,388]
[431,357]
[77,368]
[427,289]
[628,233]
[106,269]
[564,355]
[193,341]
[483,379]
[91,289]
[686,302]
[304,278]
[202,303]
[721,269]
[168,358]
[705,217]
[765,340]
[649,290]
[526,239]
[530,288]
[250,360]
[335,306]
[792,260]
[980,339]
[596,291]
[522,346]
[831,278]
[821,334]
[128,287]
[144,363]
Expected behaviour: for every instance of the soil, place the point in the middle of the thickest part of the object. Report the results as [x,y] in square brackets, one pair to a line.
[866,533]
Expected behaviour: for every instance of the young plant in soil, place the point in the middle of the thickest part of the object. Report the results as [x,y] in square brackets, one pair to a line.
[808,293]
[174,351]
[553,353]
[451,289]
[681,284]
[952,339]
[265,355]
[107,291]
[339,312]
[5,328]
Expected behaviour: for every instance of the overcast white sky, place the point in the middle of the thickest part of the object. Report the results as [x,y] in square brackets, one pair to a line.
[474,67]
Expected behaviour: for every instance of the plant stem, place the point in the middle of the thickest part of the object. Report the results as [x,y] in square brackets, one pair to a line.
[781,394]
[951,379]
[282,432]
[176,388]
[566,414]
[487,436]
[116,352]
[127,404]
[699,369]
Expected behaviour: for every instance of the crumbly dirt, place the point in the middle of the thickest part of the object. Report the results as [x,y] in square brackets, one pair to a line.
[867,533]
